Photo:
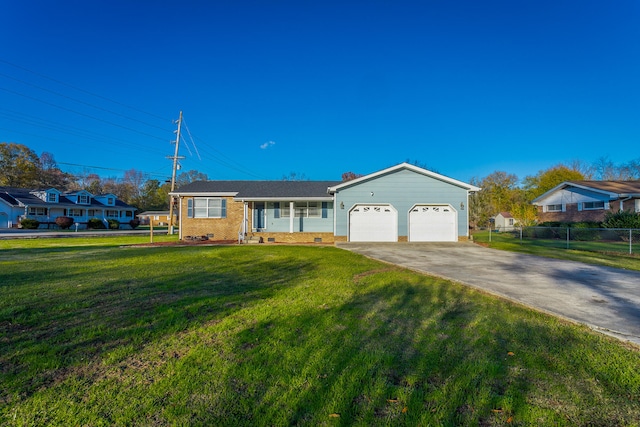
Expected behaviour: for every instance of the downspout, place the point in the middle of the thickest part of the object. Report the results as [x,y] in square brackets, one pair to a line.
[624,200]
[180,218]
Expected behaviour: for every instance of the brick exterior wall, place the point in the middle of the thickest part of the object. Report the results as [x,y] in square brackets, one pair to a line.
[216,228]
[303,237]
[573,215]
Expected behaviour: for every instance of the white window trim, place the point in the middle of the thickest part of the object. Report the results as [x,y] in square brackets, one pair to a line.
[205,207]
[554,206]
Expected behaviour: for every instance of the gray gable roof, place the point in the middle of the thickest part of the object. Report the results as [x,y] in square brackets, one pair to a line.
[260,189]
[16,196]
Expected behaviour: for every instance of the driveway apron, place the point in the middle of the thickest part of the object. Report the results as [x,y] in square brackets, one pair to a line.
[603,298]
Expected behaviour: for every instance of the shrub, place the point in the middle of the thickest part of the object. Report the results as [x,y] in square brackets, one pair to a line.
[114,224]
[134,223]
[64,222]
[585,231]
[95,224]
[621,219]
[29,224]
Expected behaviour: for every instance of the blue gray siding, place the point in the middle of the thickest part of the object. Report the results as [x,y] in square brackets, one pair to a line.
[324,223]
[403,189]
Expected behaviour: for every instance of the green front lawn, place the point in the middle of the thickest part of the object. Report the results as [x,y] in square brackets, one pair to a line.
[96,333]
[600,253]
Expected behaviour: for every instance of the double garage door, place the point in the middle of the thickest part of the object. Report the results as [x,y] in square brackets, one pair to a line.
[379,223]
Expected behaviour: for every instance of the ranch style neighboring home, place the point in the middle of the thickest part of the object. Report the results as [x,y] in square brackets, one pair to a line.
[578,201]
[154,218]
[398,204]
[48,204]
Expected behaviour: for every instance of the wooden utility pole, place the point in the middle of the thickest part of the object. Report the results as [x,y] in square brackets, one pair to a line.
[175,159]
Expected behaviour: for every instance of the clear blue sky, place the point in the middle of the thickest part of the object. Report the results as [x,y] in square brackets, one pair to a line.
[320,88]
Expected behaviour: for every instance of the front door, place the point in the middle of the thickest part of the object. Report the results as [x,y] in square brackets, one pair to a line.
[258,216]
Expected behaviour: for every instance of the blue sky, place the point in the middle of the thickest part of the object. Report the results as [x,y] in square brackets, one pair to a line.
[320,88]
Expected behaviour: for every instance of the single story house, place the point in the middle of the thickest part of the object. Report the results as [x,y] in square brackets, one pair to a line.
[578,201]
[154,217]
[48,204]
[504,221]
[398,204]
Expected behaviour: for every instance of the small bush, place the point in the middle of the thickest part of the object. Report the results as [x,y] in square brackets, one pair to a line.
[64,222]
[29,224]
[114,224]
[95,224]
[621,219]
[134,223]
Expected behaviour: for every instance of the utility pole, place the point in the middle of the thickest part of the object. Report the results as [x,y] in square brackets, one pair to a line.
[175,159]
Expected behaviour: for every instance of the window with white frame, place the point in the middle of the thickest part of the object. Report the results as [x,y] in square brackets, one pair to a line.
[52,198]
[592,205]
[83,199]
[307,209]
[554,208]
[110,213]
[206,207]
[111,201]
[37,211]
[510,221]
[74,212]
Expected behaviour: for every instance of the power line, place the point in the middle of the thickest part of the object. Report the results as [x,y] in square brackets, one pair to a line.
[82,90]
[110,169]
[81,114]
[81,102]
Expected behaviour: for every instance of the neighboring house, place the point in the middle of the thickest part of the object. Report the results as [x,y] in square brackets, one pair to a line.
[504,221]
[48,204]
[400,203]
[156,218]
[577,201]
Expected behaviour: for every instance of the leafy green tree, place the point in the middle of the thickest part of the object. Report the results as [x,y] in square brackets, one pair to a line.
[545,180]
[19,165]
[499,191]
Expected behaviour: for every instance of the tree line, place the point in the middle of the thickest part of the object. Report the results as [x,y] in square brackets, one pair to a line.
[21,167]
[505,192]
[501,191]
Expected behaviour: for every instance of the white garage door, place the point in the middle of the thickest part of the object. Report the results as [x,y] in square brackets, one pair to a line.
[433,223]
[373,223]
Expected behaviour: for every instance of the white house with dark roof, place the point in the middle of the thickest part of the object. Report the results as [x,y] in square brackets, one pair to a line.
[398,204]
[45,205]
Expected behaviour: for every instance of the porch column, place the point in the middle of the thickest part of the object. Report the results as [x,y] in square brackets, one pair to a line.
[245,219]
[292,214]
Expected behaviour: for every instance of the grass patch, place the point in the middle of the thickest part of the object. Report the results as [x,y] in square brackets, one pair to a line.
[597,253]
[94,333]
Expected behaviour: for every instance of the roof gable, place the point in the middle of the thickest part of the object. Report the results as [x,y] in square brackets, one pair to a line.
[404,166]
[611,189]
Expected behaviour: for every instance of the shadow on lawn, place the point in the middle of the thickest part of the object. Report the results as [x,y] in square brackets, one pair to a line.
[62,317]
[408,353]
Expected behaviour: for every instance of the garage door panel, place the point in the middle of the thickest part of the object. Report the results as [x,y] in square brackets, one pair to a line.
[373,223]
[432,223]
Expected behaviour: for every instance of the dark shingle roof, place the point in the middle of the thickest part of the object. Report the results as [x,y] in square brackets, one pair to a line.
[14,196]
[257,189]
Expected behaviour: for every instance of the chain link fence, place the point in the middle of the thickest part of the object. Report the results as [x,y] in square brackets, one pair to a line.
[622,240]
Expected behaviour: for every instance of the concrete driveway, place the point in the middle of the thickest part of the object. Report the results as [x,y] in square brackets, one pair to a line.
[606,299]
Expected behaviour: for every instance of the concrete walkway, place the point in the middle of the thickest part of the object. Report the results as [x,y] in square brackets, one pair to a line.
[606,299]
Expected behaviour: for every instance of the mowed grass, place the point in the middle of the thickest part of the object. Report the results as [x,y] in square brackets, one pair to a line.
[599,253]
[94,332]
